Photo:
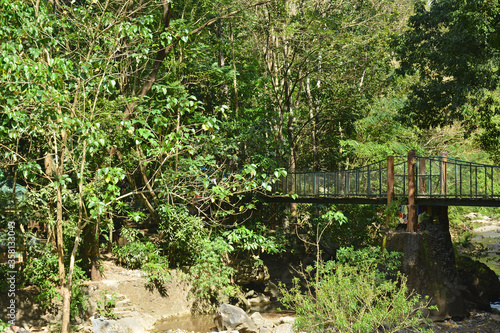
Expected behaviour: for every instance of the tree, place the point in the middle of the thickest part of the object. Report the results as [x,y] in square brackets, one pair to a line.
[87,87]
[452,47]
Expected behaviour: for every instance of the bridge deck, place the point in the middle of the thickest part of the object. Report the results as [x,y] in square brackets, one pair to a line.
[426,201]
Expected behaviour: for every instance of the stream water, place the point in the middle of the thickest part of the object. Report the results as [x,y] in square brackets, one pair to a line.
[205,323]
[488,236]
[194,323]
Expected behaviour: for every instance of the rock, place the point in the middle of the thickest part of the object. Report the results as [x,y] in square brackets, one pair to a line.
[239,300]
[271,290]
[283,328]
[481,283]
[17,329]
[259,299]
[231,317]
[263,324]
[285,320]
[133,324]
[250,273]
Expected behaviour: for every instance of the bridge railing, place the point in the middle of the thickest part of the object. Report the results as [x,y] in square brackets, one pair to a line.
[367,181]
[439,177]
[444,177]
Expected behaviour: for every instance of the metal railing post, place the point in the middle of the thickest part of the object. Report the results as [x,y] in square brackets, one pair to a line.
[422,178]
[444,161]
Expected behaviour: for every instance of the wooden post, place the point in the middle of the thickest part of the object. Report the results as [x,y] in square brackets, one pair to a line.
[412,208]
[443,172]
[390,183]
[390,179]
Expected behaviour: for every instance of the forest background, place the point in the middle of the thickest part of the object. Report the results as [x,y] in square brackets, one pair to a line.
[118,113]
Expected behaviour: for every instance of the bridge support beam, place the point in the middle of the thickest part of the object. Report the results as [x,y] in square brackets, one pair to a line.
[412,207]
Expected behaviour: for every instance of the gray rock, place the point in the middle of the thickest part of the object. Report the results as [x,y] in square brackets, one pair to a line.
[284,320]
[283,328]
[133,324]
[271,289]
[248,272]
[260,322]
[259,299]
[481,283]
[231,317]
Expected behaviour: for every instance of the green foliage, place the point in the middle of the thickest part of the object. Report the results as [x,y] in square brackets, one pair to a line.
[452,48]
[210,275]
[106,305]
[4,285]
[354,295]
[181,232]
[334,226]
[391,213]
[143,255]
[157,272]
[136,253]
[255,241]
[42,271]
[3,326]
[79,295]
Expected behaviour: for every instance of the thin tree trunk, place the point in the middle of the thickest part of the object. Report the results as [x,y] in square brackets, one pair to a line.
[95,272]
[65,290]
[235,81]
[312,119]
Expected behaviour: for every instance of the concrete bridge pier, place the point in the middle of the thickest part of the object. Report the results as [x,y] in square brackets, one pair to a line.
[429,262]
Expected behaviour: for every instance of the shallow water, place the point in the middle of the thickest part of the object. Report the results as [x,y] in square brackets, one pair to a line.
[191,323]
[205,323]
[490,239]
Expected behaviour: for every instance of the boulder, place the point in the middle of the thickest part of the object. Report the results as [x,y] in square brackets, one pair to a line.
[247,272]
[232,318]
[265,326]
[284,328]
[134,324]
[481,283]
[272,290]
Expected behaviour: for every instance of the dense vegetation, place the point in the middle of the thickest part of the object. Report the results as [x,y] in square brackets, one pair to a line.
[156,122]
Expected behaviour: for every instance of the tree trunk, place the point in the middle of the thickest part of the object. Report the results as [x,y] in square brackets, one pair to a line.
[65,289]
[235,81]
[95,272]
[66,295]
[312,119]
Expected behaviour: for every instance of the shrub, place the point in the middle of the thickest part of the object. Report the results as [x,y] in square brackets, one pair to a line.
[42,271]
[354,294]
[135,254]
[105,306]
[3,326]
[147,257]
[211,276]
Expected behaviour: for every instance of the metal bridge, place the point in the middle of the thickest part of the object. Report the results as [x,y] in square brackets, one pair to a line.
[420,180]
